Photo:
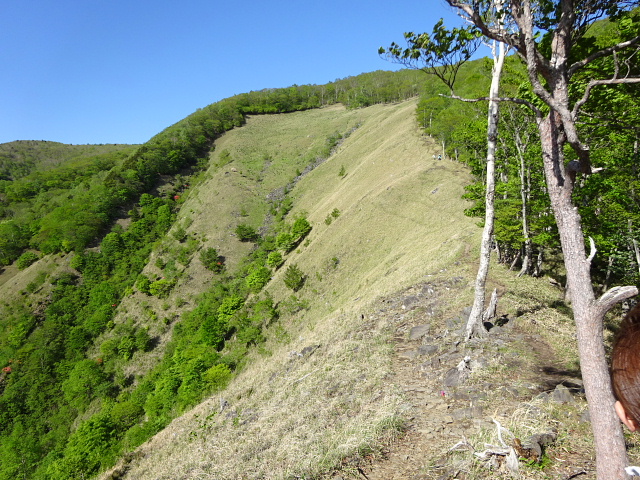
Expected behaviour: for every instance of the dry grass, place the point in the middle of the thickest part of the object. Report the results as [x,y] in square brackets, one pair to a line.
[401,220]
[286,414]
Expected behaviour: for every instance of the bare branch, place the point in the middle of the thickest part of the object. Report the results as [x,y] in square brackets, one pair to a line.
[536,64]
[615,295]
[594,83]
[602,53]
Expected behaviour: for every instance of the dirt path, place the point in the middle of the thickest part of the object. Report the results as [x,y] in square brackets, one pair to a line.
[444,407]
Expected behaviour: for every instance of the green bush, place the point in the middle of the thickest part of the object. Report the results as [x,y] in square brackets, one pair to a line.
[26,259]
[294,278]
[85,381]
[143,284]
[126,414]
[285,241]
[127,346]
[218,377]
[275,260]
[142,340]
[294,305]
[109,347]
[211,260]
[229,306]
[224,158]
[179,234]
[246,233]
[88,449]
[258,278]
[161,288]
[300,229]
[251,335]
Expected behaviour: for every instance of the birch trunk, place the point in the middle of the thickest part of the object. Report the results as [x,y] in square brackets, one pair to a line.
[475,326]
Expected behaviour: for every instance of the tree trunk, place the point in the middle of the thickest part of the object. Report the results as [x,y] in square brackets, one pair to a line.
[475,325]
[588,312]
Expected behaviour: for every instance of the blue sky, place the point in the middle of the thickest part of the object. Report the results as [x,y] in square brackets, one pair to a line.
[120,71]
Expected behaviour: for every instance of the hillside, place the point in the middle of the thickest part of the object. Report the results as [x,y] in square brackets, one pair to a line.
[19,158]
[400,222]
[347,376]
[353,375]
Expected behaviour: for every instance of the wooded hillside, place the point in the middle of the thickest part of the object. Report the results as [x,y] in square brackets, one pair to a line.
[140,280]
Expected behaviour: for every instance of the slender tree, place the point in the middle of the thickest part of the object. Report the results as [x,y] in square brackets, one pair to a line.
[438,55]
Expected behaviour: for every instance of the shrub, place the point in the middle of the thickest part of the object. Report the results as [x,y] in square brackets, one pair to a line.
[87,449]
[294,305]
[250,335]
[285,241]
[127,346]
[179,234]
[26,259]
[77,261]
[258,278]
[224,158]
[143,284]
[110,347]
[142,340]
[126,414]
[275,260]
[211,260]
[246,233]
[229,306]
[161,288]
[218,376]
[294,278]
[300,229]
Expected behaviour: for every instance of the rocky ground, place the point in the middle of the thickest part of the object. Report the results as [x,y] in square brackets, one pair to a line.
[457,394]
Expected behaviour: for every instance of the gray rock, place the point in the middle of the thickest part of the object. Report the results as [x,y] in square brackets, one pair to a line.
[478,363]
[537,442]
[453,378]
[428,290]
[410,302]
[418,332]
[427,349]
[561,394]
[585,416]
[458,374]
[306,351]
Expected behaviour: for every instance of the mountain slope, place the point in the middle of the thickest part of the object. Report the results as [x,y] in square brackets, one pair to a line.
[315,392]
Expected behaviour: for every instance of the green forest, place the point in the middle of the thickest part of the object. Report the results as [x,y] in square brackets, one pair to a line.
[68,408]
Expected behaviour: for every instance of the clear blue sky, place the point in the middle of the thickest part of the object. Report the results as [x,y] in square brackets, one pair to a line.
[120,71]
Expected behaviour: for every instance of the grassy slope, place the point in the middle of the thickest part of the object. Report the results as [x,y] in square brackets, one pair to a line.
[401,219]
